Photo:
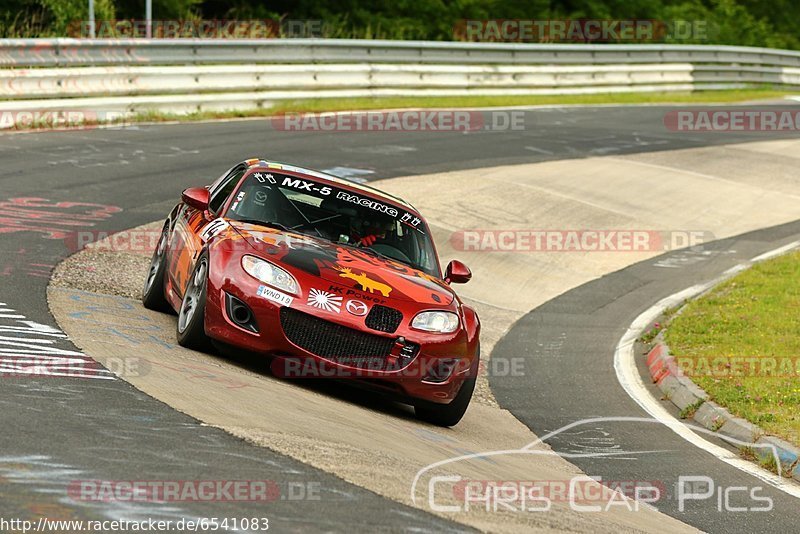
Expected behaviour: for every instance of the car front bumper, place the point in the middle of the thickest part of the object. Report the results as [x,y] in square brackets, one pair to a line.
[434,374]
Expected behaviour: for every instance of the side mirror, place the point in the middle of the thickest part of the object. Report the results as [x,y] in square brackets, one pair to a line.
[196,197]
[457,273]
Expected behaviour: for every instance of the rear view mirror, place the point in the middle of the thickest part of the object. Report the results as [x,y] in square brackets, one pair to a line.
[196,197]
[457,273]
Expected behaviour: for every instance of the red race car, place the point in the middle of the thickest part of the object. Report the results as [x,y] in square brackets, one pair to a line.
[326,277]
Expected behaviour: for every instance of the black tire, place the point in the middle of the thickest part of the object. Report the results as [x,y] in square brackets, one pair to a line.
[153,297]
[448,414]
[191,316]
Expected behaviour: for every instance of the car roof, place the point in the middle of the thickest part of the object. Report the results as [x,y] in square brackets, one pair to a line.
[276,165]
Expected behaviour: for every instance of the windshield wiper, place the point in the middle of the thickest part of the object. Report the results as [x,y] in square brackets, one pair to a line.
[324,219]
[268,224]
[303,215]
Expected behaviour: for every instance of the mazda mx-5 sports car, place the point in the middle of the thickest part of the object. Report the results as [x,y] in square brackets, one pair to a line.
[326,278]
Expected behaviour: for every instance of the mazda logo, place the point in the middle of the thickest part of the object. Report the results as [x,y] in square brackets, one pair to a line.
[356,307]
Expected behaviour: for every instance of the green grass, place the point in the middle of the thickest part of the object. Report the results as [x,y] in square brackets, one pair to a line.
[754,317]
[689,411]
[346,104]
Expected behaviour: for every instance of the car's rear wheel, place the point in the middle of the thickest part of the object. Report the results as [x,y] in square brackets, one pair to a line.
[191,317]
[153,292]
[448,414]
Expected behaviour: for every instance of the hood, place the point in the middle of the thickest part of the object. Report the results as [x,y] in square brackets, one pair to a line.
[346,266]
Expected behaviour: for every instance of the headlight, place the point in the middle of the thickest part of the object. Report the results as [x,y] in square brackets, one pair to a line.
[269,274]
[441,322]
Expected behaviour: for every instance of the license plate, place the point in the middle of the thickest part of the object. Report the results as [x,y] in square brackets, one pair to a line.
[275,296]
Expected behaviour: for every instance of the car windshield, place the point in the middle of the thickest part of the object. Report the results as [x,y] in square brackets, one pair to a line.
[328,212]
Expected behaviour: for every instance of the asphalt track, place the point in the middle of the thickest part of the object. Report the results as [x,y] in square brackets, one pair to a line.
[66,429]
[569,343]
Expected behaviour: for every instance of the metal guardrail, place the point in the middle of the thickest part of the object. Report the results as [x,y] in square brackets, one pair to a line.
[192,74]
[74,52]
[110,81]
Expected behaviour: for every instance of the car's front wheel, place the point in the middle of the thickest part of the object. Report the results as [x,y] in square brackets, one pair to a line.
[191,317]
[448,414]
[153,292]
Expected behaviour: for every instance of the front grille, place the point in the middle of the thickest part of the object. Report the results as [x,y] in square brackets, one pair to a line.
[335,342]
[383,319]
